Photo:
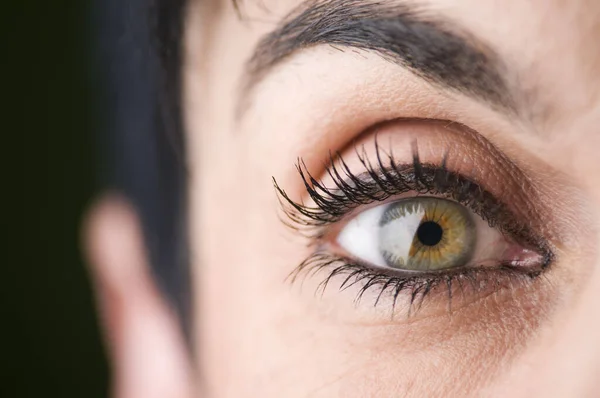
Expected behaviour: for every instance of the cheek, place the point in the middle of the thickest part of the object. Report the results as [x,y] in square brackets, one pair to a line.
[240,265]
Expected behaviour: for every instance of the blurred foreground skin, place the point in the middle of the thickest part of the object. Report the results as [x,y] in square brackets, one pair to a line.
[260,335]
[148,352]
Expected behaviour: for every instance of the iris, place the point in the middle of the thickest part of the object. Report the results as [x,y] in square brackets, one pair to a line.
[426,234]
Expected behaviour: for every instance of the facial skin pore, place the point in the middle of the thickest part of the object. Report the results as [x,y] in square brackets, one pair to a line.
[527,84]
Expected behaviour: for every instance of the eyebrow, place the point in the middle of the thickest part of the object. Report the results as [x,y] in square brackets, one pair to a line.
[434,49]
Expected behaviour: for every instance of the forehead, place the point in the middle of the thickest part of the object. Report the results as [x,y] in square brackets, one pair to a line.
[549,46]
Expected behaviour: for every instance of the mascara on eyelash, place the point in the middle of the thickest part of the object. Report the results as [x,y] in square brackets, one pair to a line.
[386,178]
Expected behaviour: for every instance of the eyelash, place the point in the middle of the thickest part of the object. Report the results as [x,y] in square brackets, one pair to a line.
[418,286]
[379,182]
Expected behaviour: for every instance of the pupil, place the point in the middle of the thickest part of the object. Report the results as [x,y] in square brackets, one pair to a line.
[430,233]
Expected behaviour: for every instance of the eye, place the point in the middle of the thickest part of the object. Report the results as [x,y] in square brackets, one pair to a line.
[437,227]
[427,234]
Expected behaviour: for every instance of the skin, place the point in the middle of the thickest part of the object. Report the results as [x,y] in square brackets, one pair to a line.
[257,334]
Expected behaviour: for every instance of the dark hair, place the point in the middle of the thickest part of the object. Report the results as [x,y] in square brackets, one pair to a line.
[142,138]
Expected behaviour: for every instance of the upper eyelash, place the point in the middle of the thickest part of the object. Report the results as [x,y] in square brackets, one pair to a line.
[383,180]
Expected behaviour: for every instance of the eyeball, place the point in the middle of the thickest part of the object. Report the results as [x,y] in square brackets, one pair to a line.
[425,234]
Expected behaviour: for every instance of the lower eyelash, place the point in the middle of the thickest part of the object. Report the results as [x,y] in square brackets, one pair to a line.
[471,282]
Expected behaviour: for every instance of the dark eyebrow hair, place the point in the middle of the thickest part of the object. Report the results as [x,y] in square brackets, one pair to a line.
[434,50]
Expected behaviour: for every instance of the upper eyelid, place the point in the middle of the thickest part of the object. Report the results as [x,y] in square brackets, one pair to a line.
[333,204]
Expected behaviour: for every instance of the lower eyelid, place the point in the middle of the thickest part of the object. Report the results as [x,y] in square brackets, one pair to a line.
[419,298]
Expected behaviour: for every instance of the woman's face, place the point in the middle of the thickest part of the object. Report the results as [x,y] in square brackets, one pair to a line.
[395,198]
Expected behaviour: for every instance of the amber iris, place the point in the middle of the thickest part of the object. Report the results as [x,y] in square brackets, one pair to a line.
[426,234]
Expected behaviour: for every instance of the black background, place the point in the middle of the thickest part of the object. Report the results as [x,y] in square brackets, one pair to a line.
[51,344]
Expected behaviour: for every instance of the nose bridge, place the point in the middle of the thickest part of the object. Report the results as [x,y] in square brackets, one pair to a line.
[583,335]
[570,363]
